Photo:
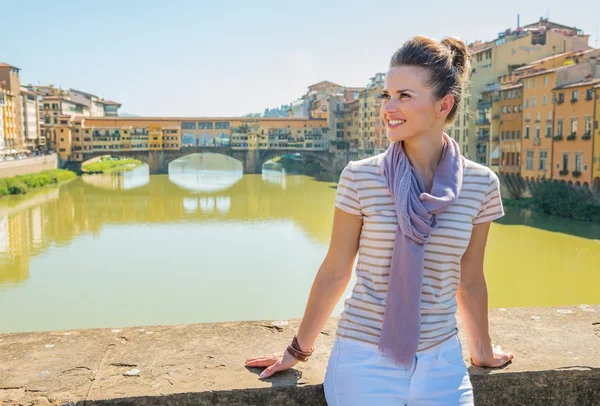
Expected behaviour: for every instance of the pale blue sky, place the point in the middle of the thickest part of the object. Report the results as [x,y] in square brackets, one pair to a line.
[211,58]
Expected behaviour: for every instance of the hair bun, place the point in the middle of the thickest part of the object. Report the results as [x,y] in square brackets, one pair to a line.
[460,54]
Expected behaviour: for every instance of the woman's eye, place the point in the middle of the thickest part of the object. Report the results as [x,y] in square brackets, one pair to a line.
[385,96]
[404,95]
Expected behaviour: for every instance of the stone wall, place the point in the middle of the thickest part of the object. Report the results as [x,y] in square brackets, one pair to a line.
[557,362]
[29,165]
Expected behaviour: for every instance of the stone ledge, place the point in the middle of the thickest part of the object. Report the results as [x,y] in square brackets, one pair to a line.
[557,363]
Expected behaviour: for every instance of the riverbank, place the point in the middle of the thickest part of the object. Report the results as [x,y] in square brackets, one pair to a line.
[557,199]
[111,165]
[21,184]
[557,362]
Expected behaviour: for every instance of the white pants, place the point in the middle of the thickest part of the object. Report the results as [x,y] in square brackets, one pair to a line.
[358,376]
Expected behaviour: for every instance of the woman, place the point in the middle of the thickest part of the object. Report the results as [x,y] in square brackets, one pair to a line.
[418,215]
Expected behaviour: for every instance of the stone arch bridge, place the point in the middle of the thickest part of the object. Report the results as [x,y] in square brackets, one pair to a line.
[252,160]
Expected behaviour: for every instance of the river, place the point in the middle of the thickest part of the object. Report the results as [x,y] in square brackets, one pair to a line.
[206,243]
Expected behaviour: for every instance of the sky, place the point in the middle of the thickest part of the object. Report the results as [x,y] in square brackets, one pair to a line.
[230,58]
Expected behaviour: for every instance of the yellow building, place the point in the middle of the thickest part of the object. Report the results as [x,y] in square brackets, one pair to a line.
[63,137]
[155,135]
[8,129]
[9,81]
[511,50]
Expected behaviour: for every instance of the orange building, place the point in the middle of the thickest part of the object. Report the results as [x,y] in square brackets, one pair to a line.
[511,117]
[596,142]
[574,123]
[538,110]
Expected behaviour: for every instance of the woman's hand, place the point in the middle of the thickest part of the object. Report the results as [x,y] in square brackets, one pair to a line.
[273,363]
[495,358]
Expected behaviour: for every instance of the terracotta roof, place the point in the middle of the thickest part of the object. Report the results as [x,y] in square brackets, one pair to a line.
[588,82]
[109,102]
[5,65]
[512,87]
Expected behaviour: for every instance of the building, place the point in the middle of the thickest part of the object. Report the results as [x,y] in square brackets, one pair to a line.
[511,119]
[78,138]
[574,127]
[511,50]
[8,132]
[97,106]
[596,142]
[13,116]
[30,105]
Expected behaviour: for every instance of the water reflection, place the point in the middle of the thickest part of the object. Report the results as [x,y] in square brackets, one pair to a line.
[176,251]
[136,178]
[205,172]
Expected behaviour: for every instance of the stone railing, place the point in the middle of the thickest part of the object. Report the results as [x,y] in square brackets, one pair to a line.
[28,165]
[557,360]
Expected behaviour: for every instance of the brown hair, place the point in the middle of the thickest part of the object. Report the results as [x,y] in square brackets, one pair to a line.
[447,62]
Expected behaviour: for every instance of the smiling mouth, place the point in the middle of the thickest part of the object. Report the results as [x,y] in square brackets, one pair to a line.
[395,123]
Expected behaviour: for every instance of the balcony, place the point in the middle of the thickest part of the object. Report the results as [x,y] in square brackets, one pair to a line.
[572,137]
[589,96]
[587,136]
[528,120]
[483,121]
[560,101]
[574,99]
[576,174]
[496,117]
[558,137]
[496,138]
[482,105]
[563,172]
[537,141]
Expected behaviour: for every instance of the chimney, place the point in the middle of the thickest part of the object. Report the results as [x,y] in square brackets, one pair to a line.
[518,21]
[593,70]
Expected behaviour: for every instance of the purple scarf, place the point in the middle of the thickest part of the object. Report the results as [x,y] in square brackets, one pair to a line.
[416,211]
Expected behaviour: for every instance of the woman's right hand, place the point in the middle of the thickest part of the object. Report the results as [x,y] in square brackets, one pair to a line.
[273,363]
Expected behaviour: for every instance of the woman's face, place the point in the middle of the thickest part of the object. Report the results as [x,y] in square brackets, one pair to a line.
[409,107]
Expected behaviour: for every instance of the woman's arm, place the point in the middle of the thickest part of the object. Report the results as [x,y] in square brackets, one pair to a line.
[472,300]
[329,285]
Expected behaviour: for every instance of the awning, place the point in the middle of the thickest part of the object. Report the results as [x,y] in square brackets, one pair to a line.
[496,153]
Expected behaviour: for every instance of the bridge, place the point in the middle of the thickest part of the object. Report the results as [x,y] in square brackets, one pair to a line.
[251,159]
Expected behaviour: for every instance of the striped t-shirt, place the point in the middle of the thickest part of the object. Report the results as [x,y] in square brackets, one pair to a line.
[363,193]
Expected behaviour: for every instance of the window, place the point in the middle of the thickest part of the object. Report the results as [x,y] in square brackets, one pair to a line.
[205,126]
[545,80]
[225,124]
[575,95]
[587,126]
[526,103]
[533,101]
[544,100]
[188,125]
[527,117]
[543,160]
[565,161]
[529,160]
[559,127]
[518,134]
[526,131]
[549,116]
[548,131]
[504,109]
[573,126]
[502,135]
[589,94]
[561,98]
[513,135]
[578,162]
[537,118]
[514,109]
[534,83]
[537,131]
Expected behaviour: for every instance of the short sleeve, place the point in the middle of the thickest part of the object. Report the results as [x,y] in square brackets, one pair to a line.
[491,205]
[346,197]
